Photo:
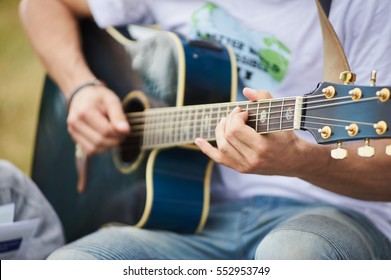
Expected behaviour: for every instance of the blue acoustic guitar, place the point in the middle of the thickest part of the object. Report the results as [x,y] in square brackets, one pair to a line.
[178,90]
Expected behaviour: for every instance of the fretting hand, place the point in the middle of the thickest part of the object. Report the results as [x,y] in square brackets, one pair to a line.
[240,147]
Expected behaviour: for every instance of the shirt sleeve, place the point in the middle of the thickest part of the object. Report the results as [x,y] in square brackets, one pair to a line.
[119,12]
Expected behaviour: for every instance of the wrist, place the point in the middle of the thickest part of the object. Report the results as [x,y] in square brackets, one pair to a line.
[75,91]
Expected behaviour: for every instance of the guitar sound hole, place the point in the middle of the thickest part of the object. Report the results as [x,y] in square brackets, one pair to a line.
[129,150]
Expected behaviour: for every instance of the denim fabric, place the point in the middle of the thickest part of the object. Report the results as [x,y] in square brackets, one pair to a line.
[30,203]
[261,228]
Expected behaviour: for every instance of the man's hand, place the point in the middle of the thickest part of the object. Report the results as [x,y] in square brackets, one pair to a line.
[96,120]
[240,147]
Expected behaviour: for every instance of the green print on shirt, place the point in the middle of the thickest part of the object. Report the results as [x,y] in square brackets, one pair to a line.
[263,60]
[275,64]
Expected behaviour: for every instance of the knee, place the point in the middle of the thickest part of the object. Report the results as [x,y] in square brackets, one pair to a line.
[324,233]
[70,254]
[288,244]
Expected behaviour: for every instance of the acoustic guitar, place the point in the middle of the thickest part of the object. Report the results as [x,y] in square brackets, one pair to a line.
[175,90]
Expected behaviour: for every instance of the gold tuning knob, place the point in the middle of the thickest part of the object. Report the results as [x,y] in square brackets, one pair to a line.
[355,93]
[339,152]
[380,127]
[329,92]
[366,150]
[383,94]
[347,77]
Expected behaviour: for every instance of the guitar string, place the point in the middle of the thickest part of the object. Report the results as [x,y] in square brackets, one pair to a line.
[136,121]
[250,108]
[229,105]
[254,105]
[143,114]
[178,135]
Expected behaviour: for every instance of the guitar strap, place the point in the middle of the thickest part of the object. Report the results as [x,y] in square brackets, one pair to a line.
[326,4]
[334,58]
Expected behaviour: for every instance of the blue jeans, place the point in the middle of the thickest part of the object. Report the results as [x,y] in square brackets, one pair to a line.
[260,228]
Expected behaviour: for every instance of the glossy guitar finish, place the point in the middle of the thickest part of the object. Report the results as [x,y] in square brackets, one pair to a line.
[342,110]
[112,194]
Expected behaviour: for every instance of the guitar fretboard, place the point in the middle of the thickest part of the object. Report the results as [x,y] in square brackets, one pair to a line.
[173,126]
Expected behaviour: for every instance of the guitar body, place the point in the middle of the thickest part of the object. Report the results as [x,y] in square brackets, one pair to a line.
[162,188]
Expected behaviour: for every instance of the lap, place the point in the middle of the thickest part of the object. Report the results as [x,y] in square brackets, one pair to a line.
[239,230]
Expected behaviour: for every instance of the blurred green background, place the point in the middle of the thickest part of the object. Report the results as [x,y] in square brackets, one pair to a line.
[21,80]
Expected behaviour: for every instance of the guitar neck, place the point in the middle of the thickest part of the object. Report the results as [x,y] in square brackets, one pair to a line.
[173,126]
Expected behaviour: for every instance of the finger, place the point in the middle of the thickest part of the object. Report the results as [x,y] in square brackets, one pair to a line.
[224,146]
[209,150]
[238,133]
[255,95]
[97,138]
[116,114]
[102,125]
[92,140]
[85,144]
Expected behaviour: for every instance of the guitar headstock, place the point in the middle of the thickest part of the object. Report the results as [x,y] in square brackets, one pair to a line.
[335,113]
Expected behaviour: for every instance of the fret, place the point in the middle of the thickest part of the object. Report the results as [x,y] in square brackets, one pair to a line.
[281,114]
[256,117]
[188,125]
[208,122]
[289,114]
[195,116]
[160,128]
[171,129]
[183,126]
[177,119]
[275,115]
[145,134]
[198,124]
[202,128]
[219,117]
[268,116]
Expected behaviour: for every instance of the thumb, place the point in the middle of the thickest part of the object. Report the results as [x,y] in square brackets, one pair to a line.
[256,95]
[116,114]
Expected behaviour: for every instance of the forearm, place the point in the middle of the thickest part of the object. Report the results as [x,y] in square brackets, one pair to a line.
[355,176]
[58,43]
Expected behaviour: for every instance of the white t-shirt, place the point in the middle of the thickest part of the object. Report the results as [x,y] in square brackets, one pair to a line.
[285,41]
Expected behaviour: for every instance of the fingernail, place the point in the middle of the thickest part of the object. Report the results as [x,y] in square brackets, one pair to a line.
[249,90]
[122,125]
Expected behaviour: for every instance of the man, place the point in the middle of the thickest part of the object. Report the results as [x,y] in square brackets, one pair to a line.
[296,202]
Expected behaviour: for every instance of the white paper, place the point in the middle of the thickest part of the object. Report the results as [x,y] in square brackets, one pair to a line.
[14,236]
[7,213]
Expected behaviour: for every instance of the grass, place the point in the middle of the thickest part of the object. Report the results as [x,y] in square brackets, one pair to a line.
[21,79]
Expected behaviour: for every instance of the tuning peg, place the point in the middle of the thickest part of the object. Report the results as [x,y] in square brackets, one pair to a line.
[347,77]
[329,92]
[339,152]
[380,127]
[367,150]
[383,94]
[388,150]
[372,83]
[352,129]
[355,93]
